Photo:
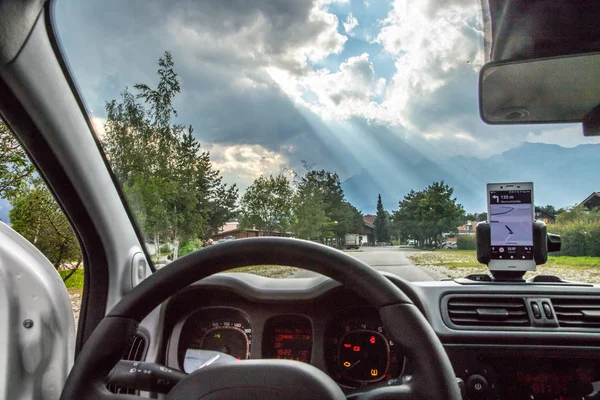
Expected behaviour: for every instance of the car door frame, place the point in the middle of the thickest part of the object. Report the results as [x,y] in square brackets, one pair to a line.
[39,102]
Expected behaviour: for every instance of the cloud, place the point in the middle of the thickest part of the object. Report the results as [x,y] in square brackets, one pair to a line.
[350,23]
[281,79]
[344,94]
[222,51]
[245,163]
[430,50]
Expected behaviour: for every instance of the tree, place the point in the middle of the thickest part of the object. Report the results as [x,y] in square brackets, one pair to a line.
[39,219]
[168,180]
[321,213]
[310,221]
[349,220]
[548,209]
[476,216]
[470,217]
[15,167]
[267,205]
[425,215]
[382,223]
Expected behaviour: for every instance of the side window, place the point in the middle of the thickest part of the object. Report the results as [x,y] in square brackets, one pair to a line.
[29,208]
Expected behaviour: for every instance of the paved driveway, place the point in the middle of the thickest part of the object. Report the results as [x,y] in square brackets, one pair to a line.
[391,259]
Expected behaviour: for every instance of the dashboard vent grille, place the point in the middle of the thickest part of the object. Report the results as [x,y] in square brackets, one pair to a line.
[136,352]
[578,312]
[488,311]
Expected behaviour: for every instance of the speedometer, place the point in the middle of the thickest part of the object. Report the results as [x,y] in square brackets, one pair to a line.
[223,329]
[227,339]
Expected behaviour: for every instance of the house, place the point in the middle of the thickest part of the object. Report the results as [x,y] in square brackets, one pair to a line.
[368,236]
[542,215]
[232,228]
[467,228]
[592,201]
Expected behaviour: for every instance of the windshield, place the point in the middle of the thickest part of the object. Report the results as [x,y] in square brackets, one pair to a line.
[351,123]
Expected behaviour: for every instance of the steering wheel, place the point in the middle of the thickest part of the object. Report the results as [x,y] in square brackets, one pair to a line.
[432,378]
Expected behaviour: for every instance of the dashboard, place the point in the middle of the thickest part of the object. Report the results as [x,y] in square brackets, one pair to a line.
[505,341]
[337,332]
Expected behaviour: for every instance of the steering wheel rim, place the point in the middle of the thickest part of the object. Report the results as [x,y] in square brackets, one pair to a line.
[433,376]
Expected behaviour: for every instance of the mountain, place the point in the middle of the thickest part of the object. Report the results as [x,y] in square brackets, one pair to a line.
[561,176]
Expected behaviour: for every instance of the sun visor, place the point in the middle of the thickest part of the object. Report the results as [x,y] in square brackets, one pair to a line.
[532,29]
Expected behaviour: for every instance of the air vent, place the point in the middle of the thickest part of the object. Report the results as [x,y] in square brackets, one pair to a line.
[488,311]
[136,352]
[578,312]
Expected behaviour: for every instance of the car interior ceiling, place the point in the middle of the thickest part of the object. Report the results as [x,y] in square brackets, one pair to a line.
[499,338]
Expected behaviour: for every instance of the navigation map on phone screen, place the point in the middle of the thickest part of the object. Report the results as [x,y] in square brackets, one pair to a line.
[511,224]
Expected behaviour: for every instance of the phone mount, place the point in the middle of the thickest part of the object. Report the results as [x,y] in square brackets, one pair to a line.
[543,243]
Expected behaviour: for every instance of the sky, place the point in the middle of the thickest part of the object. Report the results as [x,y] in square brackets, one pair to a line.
[344,85]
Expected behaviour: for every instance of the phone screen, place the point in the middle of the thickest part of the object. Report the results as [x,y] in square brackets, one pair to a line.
[511,224]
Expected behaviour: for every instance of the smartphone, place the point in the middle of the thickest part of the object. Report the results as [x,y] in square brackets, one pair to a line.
[511,215]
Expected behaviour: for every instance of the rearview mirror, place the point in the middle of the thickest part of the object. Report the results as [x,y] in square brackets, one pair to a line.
[545,90]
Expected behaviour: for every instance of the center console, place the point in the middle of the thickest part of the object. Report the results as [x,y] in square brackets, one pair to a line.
[527,374]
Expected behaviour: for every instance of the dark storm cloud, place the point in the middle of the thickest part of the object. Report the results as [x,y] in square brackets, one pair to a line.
[220,50]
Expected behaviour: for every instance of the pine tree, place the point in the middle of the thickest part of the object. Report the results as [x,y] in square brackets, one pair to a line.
[382,223]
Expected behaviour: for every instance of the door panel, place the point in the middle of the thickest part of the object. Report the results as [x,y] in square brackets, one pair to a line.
[37,327]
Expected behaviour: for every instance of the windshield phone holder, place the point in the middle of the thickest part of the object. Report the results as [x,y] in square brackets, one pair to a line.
[543,243]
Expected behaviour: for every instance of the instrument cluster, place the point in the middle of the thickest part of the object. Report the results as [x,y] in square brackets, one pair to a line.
[351,346]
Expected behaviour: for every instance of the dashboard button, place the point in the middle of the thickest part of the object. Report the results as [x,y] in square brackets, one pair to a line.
[477,387]
[547,310]
[536,310]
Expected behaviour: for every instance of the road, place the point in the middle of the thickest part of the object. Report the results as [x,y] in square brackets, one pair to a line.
[389,259]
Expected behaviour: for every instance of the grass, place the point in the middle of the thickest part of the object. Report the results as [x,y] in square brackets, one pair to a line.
[75,281]
[459,263]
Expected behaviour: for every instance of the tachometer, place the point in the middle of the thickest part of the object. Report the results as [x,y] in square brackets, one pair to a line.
[363,356]
[358,351]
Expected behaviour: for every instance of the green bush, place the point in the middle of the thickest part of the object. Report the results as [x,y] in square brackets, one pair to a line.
[579,237]
[466,242]
[189,247]
[165,249]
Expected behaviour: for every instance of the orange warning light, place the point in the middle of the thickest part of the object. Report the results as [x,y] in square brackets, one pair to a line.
[347,364]
[374,372]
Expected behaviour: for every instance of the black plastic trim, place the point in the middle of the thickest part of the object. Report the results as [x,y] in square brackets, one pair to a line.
[94,297]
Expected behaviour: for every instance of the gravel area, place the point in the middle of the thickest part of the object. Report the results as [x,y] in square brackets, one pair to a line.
[75,295]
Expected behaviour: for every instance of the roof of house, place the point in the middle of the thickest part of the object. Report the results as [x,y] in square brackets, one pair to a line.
[591,196]
[369,221]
